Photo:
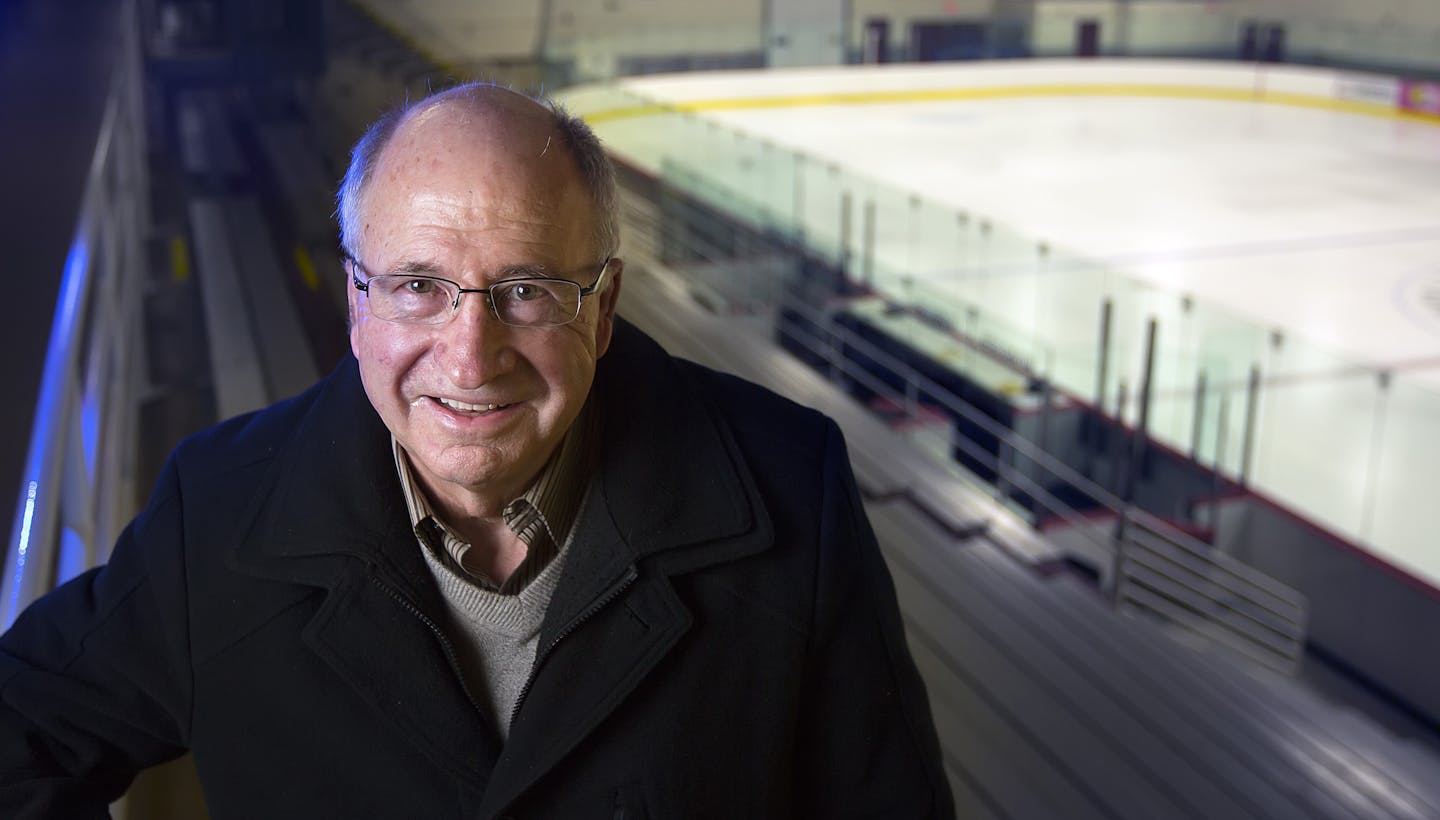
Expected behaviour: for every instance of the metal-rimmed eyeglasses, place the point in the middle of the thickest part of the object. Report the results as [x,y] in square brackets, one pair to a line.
[529,301]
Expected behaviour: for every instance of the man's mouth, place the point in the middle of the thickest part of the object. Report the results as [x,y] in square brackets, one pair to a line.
[467,409]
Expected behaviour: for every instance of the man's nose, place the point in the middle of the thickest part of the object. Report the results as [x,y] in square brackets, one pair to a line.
[475,343]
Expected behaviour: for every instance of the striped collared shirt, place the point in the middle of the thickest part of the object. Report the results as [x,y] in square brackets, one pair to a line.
[541,517]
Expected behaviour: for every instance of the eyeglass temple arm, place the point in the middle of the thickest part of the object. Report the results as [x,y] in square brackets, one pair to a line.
[600,281]
[363,287]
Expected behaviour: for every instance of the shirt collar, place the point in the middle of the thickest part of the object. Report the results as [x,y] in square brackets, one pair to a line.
[541,517]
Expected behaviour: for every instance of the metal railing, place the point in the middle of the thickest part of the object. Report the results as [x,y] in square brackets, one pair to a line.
[1158,570]
[1209,594]
[77,488]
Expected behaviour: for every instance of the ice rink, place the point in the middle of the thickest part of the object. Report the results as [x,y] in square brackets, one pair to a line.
[1260,220]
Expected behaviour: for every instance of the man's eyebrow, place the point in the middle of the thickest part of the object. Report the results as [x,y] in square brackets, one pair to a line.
[520,271]
[421,268]
[524,272]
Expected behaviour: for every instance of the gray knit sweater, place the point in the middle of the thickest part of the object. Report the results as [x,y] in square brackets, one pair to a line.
[496,635]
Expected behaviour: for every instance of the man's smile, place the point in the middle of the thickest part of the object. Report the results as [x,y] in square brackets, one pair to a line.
[470,409]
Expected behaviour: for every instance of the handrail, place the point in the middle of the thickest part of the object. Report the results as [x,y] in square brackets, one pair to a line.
[1218,597]
[1004,435]
[1227,585]
[969,412]
[1148,525]
[68,494]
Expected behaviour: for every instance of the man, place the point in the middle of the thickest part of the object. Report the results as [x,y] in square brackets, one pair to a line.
[509,560]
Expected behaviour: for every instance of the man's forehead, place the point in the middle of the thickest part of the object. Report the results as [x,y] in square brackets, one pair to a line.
[494,166]
[478,147]
[492,118]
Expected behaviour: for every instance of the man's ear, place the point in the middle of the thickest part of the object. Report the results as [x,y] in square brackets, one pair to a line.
[609,300]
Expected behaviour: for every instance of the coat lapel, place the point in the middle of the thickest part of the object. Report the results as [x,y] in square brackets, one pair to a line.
[393,656]
[332,515]
[601,643]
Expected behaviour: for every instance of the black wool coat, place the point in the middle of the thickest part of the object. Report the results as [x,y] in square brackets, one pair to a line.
[724,641]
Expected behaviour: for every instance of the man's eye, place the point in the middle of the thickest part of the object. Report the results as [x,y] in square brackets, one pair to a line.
[526,291]
[418,287]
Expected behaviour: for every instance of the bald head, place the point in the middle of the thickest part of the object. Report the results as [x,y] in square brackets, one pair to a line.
[509,126]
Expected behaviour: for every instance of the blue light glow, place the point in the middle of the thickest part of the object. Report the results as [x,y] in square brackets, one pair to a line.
[22,550]
[47,444]
[25,522]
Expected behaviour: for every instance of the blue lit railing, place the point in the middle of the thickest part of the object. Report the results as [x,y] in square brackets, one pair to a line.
[76,490]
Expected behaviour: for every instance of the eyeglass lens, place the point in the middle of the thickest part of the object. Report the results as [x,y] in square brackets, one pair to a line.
[522,302]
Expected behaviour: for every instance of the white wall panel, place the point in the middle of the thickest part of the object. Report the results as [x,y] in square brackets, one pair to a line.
[901,13]
[805,32]
[1056,24]
[1386,32]
[1166,26]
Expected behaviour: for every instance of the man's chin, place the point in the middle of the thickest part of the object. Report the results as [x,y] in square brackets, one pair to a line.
[471,466]
[471,469]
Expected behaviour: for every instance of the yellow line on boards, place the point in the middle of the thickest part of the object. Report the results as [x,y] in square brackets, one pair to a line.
[630,112]
[179,259]
[307,269]
[1260,95]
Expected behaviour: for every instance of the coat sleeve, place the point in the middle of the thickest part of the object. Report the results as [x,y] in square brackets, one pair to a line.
[91,682]
[868,743]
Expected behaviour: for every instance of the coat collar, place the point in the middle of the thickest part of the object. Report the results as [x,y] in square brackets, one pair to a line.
[670,472]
